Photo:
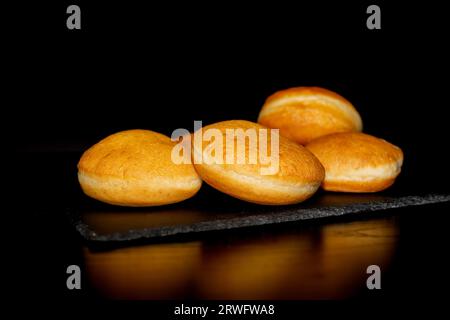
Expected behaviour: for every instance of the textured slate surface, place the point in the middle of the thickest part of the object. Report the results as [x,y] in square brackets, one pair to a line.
[107,224]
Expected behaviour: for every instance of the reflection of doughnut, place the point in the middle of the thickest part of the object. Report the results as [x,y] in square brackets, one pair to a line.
[299,174]
[305,113]
[155,271]
[329,263]
[357,162]
[134,168]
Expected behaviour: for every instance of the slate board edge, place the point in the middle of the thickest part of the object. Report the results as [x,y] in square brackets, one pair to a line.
[290,215]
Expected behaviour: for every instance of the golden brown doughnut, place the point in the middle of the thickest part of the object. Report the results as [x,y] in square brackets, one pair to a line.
[134,168]
[357,162]
[306,113]
[299,172]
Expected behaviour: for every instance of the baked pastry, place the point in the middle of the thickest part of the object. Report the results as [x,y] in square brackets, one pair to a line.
[297,176]
[357,162]
[306,113]
[134,168]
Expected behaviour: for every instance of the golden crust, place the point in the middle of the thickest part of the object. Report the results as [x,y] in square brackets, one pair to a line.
[134,168]
[358,187]
[299,176]
[357,162]
[306,113]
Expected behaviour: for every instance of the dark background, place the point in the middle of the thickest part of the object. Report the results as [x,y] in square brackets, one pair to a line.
[160,67]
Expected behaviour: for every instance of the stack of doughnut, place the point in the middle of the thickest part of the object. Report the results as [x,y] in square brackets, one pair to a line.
[320,145]
[330,127]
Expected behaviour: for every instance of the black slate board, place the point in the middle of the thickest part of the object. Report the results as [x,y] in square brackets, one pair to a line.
[102,223]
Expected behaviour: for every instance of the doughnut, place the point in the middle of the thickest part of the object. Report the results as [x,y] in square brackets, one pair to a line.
[306,113]
[134,168]
[296,178]
[357,162]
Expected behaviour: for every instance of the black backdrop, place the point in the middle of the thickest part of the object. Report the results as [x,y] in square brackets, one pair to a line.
[161,67]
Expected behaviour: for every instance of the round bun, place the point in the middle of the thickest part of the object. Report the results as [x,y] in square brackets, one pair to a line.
[306,113]
[298,175]
[134,168]
[357,162]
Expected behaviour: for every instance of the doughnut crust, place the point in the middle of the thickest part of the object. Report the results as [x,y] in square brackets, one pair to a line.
[134,168]
[299,173]
[306,113]
[357,162]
